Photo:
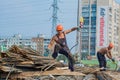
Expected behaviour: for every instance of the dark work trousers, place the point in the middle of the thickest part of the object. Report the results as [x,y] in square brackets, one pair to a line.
[102,60]
[66,52]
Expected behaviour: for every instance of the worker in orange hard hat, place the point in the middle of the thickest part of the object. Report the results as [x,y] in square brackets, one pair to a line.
[101,56]
[60,45]
[111,45]
[59,27]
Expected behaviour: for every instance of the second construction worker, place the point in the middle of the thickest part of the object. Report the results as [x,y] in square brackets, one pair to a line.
[59,44]
[101,56]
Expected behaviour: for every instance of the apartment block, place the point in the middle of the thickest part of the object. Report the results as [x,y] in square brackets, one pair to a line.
[101,25]
[38,43]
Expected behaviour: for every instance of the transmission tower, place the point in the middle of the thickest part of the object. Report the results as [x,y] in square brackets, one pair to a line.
[54,16]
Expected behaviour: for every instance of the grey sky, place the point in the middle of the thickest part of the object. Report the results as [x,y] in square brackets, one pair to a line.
[32,17]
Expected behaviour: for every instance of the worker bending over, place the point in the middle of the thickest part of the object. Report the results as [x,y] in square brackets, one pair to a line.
[101,56]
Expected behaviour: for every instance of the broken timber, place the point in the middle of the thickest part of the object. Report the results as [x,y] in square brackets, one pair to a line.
[25,62]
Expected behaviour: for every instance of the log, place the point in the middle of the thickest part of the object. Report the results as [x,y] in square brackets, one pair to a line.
[86,70]
[9,68]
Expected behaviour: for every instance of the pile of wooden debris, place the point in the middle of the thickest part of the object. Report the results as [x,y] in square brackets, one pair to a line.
[18,60]
[28,64]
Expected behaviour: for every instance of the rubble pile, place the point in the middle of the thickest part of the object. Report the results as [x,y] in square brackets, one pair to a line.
[27,64]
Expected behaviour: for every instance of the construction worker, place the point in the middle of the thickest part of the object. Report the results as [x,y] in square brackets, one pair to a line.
[101,56]
[60,45]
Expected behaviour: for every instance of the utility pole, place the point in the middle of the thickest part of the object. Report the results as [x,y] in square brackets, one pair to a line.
[89,46]
[54,16]
[78,37]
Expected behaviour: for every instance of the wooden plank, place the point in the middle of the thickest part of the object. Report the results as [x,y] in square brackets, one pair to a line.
[8,69]
[52,72]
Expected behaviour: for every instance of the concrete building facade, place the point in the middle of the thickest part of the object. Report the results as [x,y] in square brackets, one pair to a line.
[19,41]
[41,43]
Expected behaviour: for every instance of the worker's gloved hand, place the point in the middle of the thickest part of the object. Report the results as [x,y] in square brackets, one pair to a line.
[113,60]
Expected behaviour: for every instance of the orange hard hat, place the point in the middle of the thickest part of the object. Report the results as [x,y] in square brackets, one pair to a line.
[111,45]
[59,27]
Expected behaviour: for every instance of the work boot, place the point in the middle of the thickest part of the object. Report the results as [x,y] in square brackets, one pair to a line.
[102,69]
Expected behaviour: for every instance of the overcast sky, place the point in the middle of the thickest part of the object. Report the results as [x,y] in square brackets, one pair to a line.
[32,17]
